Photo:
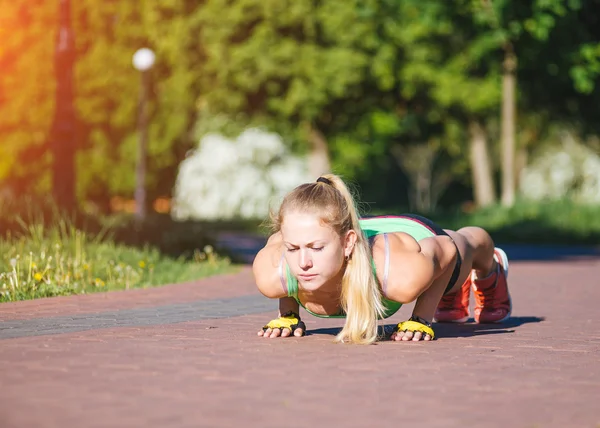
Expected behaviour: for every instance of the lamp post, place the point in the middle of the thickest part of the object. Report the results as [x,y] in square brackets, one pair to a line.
[143,60]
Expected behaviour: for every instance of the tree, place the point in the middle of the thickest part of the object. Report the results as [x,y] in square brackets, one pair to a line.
[429,65]
[451,58]
[290,63]
[509,24]
[294,63]
[63,132]
[559,74]
[26,92]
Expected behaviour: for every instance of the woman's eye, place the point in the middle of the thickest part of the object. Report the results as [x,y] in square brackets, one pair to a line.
[317,248]
[291,250]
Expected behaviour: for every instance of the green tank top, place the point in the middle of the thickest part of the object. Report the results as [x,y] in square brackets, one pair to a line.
[372,227]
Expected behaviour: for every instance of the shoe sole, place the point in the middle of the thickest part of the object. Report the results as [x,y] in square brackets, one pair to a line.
[504,263]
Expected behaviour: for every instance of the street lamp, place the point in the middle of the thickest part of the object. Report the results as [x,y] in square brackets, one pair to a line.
[143,60]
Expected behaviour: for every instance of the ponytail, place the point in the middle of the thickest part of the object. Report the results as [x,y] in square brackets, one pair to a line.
[361,296]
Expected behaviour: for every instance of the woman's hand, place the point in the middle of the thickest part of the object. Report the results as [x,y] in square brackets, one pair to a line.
[286,325]
[280,332]
[415,329]
[409,335]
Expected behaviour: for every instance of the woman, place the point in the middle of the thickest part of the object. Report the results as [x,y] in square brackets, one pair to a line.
[323,257]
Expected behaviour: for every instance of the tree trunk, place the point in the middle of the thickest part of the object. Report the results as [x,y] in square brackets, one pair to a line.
[318,158]
[63,133]
[440,182]
[508,119]
[427,181]
[483,182]
[521,159]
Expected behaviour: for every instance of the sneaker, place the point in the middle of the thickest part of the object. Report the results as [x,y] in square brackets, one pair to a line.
[492,299]
[454,307]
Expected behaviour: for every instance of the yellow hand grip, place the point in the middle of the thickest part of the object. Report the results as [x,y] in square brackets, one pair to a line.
[289,320]
[283,322]
[415,326]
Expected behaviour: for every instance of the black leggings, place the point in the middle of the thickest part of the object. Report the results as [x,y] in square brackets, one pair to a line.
[439,232]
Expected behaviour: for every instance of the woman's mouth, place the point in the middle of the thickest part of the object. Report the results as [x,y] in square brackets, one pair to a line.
[307,276]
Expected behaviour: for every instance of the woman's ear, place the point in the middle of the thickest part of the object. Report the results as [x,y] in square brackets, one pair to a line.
[350,242]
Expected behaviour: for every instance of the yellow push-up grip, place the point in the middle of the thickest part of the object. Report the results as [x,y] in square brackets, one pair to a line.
[414,326]
[289,320]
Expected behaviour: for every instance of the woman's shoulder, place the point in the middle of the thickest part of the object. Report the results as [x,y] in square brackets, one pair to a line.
[396,242]
[401,267]
[399,245]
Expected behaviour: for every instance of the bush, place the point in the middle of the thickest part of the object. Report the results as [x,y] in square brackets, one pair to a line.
[567,171]
[235,178]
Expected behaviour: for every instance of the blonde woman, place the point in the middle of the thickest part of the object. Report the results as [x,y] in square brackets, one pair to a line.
[323,257]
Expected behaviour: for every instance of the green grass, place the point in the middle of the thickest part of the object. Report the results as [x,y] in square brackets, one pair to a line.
[44,261]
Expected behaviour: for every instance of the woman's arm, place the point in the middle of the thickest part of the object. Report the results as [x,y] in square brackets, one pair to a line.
[443,251]
[418,271]
[413,266]
[289,309]
[268,268]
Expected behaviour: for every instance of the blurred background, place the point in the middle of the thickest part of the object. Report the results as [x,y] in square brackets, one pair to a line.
[173,123]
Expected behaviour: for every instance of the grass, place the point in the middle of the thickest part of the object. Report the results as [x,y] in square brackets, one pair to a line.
[57,260]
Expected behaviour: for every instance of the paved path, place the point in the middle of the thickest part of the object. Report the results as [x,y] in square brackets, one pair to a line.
[187,355]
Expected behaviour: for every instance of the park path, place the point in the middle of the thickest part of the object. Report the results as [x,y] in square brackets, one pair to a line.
[187,355]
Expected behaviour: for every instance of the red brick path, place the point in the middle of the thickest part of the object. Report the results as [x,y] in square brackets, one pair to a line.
[542,369]
[236,284]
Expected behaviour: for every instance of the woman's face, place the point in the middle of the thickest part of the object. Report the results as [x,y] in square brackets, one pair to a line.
[313,250]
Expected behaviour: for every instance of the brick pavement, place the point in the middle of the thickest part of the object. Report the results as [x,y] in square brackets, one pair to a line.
[224,286]
[182,357]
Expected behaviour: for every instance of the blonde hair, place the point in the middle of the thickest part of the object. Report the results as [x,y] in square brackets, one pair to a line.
[361,296]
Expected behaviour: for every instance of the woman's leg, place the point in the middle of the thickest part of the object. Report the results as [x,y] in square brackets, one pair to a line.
[482,250]
[489,282]
[476,249]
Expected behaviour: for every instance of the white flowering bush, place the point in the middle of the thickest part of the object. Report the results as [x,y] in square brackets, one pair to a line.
[571,171]
[225,179]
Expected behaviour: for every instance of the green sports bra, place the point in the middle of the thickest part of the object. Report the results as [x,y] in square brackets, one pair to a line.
[371,227]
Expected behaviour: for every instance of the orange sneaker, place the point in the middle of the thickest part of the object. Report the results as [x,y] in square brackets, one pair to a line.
[492,299]
[454,307]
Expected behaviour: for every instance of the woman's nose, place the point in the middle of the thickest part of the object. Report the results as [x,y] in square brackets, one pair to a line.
[305,259]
